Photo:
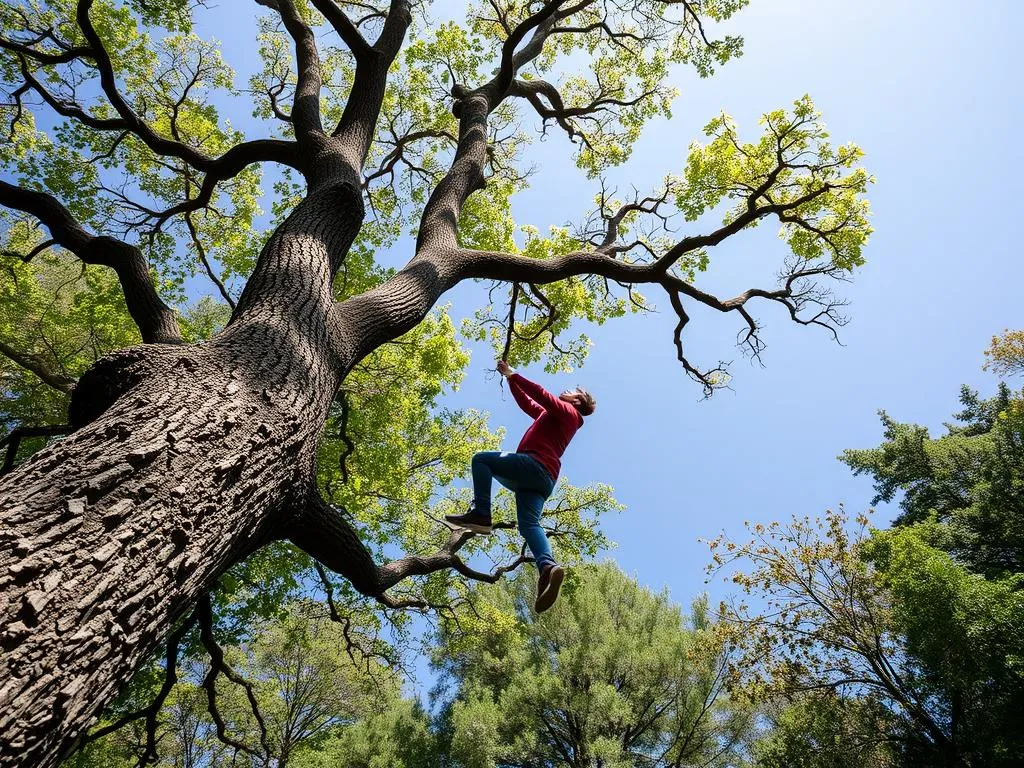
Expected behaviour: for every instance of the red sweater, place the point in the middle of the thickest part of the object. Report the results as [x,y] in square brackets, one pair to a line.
[554,423]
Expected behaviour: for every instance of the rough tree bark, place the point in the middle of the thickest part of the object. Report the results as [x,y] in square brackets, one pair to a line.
[112,533]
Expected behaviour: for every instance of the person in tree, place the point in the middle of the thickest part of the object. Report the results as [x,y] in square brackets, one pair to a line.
[530,472]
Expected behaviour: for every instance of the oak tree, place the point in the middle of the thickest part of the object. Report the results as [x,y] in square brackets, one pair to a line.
[186,456]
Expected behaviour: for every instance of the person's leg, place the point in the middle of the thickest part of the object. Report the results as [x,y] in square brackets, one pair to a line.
[537,486]
[529,506]
[486,466]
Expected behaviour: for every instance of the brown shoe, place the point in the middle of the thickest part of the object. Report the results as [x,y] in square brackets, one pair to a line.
[548,585]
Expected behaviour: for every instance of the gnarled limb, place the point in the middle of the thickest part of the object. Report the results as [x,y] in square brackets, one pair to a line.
[219,665]
[324,533]
[156,321]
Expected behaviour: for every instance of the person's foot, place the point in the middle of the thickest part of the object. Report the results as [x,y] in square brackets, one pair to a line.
[548,585]
[472,521]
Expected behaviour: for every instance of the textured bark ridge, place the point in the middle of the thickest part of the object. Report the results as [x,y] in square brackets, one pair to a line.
[106,545]
[189,458]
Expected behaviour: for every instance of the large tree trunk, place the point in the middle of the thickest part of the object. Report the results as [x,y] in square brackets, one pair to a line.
[111,534]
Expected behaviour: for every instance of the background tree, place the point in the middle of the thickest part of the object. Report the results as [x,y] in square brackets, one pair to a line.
[820,729]
[919,624]
[1005,355]
[295,688]
[185,458]
[615,675]
[401,736]
[968,480]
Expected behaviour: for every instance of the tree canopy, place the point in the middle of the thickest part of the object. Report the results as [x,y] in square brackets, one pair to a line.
[300,402]
[911,636]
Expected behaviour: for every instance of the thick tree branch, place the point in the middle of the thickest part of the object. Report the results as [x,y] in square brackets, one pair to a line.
[346,30]
[222,167]
[358,123]
[156,321]
[232,163]
[504,266]
[510,61]
[305,114]
[35,364]
[324,533]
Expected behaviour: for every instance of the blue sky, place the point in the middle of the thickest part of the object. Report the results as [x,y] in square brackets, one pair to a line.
[926,90]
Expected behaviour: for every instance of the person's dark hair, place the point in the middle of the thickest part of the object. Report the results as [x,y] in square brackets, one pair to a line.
[588,404]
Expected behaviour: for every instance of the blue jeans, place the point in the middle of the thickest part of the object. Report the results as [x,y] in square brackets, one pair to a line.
[529,481]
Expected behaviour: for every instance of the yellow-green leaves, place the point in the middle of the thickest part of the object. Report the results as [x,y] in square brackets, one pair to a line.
[59,314]
[793,171]
[1005,355]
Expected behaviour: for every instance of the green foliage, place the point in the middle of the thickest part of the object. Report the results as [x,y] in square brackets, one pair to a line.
[315,690]
[398,737]
[204,319]
[58,314]
[822,730]
[965,634]
[613,675]
[968,480]
[792,161]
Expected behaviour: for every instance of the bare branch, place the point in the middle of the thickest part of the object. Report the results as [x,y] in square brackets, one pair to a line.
[343,435]
[45,57]
[201,252]
[219,665]
[511,321]
[35,364]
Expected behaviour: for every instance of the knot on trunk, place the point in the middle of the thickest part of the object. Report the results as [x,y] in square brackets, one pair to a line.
[115,374]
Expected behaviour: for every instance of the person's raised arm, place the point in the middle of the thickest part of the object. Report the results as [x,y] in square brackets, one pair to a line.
[535,392]
[529,406]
